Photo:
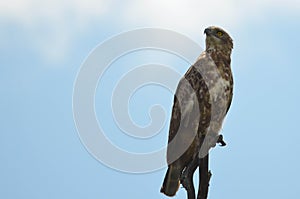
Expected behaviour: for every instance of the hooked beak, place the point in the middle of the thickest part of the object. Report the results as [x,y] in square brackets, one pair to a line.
[207,31]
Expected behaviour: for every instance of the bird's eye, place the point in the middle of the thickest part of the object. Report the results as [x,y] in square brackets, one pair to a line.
[220,34]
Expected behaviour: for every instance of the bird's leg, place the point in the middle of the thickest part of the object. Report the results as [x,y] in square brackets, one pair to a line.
[204,178]
[221,141]
[187,178]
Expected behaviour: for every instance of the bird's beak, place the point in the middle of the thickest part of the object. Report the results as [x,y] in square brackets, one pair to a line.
[207,31]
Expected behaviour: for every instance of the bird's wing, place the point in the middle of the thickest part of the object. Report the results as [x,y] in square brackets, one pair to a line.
[184,119]
[185,101]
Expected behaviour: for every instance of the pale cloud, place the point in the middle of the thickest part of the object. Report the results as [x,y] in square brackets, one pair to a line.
[54,24]
[186,15]
[181,14]
[29,11]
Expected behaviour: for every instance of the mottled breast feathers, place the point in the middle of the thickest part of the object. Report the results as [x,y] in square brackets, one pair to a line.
[191,112]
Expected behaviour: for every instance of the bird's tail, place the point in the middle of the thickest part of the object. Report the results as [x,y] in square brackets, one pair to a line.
[171,182]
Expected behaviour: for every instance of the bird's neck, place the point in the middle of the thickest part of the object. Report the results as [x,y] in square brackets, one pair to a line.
[224,52]
[219,56]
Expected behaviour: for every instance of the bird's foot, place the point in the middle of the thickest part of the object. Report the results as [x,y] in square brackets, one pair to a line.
[221,141]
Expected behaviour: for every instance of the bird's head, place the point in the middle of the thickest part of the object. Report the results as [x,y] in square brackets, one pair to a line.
[218,39]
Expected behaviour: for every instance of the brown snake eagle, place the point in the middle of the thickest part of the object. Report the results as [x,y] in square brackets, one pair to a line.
[201,101]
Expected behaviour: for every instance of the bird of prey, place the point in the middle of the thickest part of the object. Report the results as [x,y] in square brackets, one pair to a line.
[201,102]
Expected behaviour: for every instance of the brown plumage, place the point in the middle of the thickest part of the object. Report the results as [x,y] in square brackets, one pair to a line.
[202,99]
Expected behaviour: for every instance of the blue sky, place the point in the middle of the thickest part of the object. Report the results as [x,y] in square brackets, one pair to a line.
[42,47]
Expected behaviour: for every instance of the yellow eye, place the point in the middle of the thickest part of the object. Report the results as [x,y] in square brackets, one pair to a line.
[220,34]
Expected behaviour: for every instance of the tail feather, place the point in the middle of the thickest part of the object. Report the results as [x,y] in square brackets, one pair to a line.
[171,182]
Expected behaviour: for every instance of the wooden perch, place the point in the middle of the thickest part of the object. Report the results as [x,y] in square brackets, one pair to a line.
[204,178]
[204,174]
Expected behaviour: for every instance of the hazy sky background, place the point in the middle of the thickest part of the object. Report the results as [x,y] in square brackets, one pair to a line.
[44,43]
